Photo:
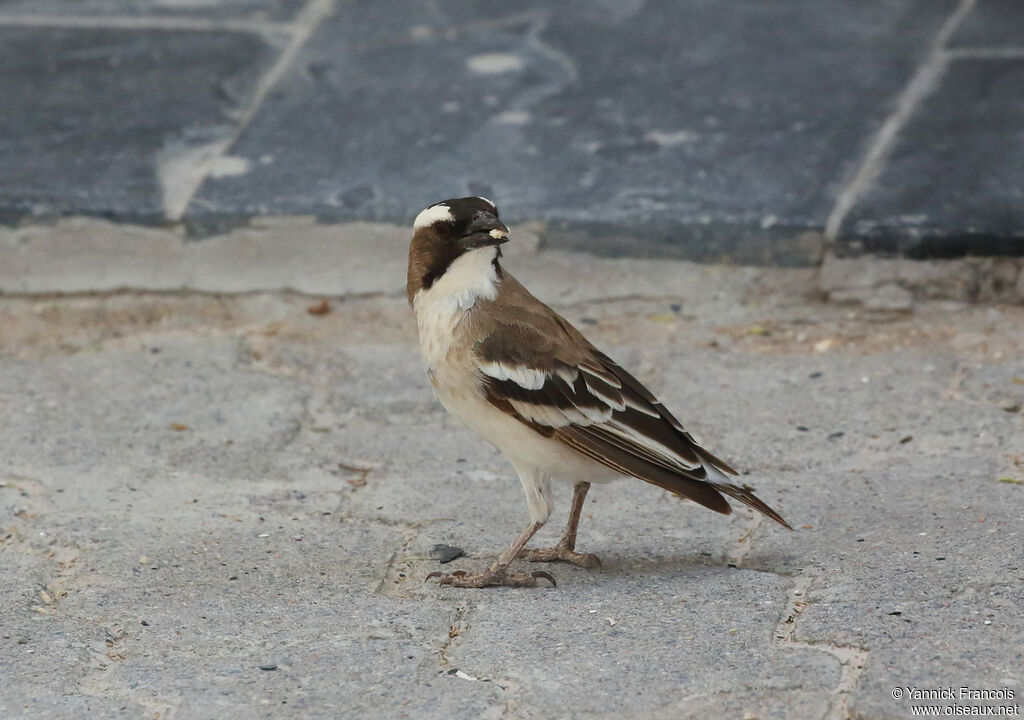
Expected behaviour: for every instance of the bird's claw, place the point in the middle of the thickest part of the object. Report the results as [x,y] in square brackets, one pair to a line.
[546,575]
[563,554]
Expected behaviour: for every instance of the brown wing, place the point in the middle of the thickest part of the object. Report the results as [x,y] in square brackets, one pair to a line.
[538,368]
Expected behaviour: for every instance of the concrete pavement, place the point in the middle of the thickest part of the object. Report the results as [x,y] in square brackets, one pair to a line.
[214,503]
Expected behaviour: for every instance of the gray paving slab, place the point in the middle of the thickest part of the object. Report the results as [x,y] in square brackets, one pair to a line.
[262,486]
[670,612]
[959,156]
[923,604]
[645,129]
[991,24]
[111,122]
[268,10]
[697,129]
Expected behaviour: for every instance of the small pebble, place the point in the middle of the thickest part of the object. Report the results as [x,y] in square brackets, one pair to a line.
[836,435]
[447,553]
[266,668]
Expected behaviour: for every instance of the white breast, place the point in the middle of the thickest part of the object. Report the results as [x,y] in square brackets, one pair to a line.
[454,373]
[440,308]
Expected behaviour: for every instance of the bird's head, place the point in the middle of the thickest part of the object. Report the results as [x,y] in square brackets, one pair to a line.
[446,231]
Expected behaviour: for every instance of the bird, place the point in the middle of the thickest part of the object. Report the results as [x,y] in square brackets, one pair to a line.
[557,408]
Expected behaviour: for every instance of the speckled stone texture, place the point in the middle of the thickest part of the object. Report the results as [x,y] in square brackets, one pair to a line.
[217,504]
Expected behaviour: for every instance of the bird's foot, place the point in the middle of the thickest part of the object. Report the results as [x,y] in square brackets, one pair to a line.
[490,578]
[561,552]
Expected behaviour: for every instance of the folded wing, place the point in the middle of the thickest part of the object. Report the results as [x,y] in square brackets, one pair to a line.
[550,378]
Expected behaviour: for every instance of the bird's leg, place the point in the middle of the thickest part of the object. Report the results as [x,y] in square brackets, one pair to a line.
[498,574]
[565,550]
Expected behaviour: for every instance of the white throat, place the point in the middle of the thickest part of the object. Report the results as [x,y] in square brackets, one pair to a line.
[441,307]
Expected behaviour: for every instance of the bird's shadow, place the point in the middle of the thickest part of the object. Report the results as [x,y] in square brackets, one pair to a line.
[630,566]
[620,565]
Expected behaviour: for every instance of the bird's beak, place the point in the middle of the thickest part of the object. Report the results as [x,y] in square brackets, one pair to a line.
[485,229]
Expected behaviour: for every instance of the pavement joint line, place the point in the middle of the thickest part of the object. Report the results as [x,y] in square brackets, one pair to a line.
[923,82]
[119,22]
[985,53]
[386,585]
[852,659]
[457,627]
[176,203]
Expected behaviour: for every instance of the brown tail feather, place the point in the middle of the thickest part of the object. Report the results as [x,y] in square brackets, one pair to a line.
[748,498]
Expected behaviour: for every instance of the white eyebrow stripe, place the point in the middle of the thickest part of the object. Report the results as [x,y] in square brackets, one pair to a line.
[433,214]
[489,202]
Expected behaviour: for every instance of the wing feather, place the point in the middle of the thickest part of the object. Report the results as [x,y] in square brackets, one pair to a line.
[542,371]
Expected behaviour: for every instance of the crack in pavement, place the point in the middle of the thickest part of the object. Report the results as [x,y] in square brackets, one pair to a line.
[394,576]
[454,632]
[457,630]
[852,659]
